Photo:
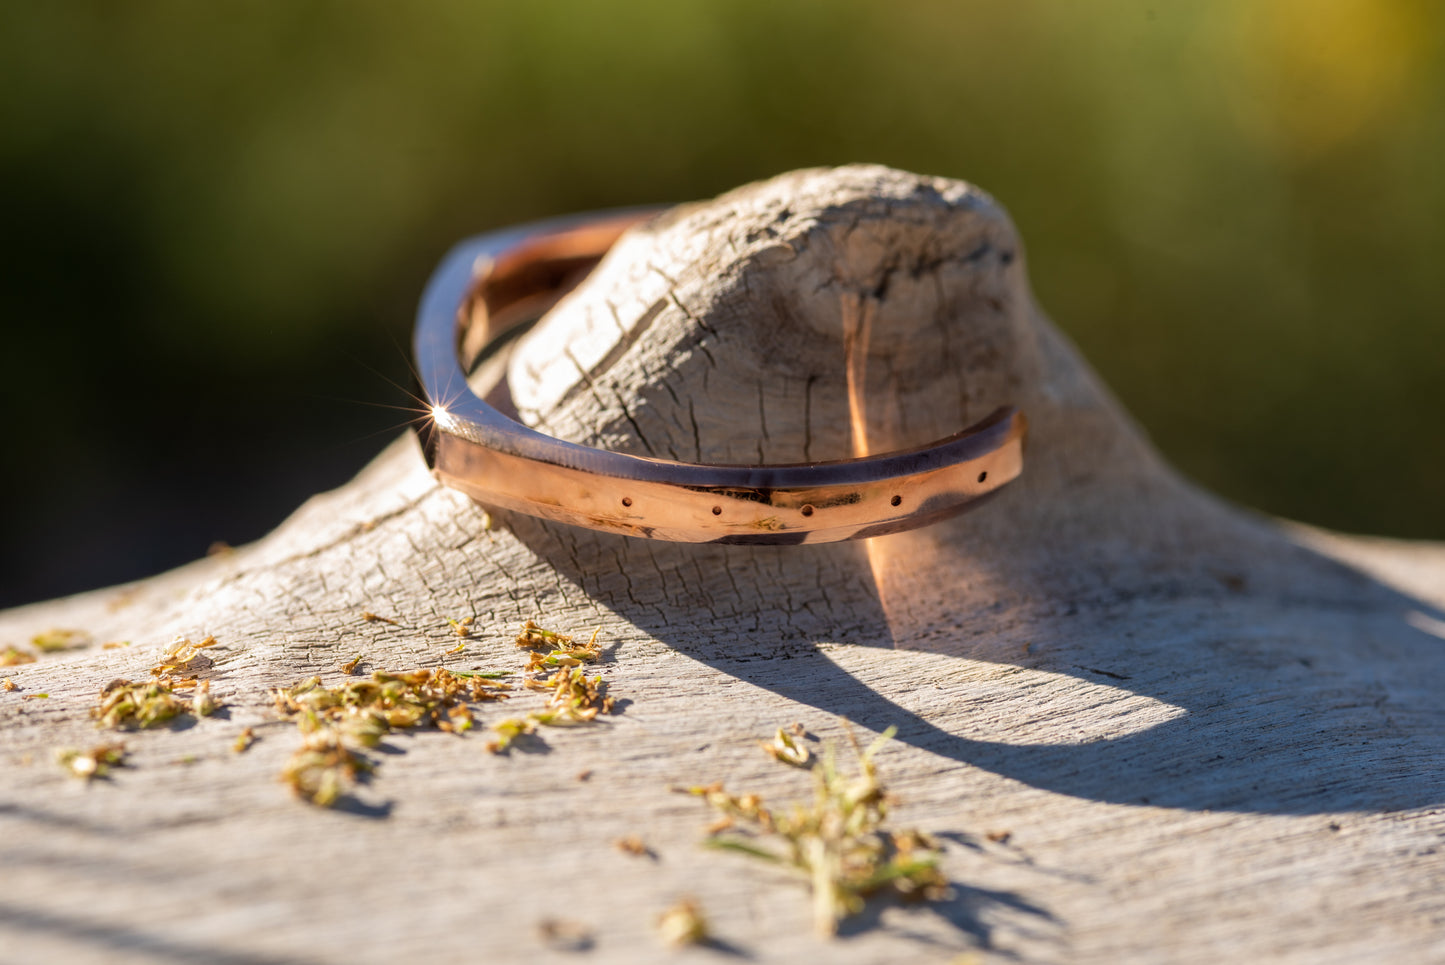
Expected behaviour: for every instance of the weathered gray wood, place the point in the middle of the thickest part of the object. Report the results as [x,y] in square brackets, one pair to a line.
[1211,737]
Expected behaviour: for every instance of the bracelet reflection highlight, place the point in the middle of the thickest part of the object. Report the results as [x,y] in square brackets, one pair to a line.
[489,285]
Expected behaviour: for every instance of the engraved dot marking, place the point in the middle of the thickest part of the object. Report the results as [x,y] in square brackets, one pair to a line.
[807,509]
[717,510]
[896,500]
[627,500]
[982,476]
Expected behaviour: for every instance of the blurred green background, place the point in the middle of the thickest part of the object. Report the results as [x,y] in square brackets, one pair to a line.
[218,217]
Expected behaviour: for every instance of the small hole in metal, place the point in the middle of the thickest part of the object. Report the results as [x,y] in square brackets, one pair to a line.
[627,500]
[807,510]
[896,500]
[717,510]
[982,476]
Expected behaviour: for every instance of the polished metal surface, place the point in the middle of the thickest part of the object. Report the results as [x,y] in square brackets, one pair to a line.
[490,284]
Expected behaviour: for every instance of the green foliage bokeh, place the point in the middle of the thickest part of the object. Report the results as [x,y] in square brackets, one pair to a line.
[1236,208]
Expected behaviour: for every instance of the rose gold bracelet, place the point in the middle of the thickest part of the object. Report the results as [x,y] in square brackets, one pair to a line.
[490,284]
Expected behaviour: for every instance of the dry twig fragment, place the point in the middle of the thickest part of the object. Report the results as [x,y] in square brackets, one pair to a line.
[349,667]
[370,617]
[244,740]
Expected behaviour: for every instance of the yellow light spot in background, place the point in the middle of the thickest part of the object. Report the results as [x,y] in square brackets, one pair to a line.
[1318,73]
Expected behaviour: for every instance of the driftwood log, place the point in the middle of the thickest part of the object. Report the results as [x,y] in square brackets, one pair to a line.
[1146,725]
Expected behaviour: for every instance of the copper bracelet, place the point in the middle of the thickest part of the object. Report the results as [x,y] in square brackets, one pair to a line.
[488,285]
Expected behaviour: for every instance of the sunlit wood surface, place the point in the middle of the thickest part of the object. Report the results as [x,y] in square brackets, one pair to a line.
[1146,726]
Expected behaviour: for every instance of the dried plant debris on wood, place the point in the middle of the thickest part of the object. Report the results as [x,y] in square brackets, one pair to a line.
[58,639]
[535,636]
[410,699]
[559,645]
[635,846]
[359,713]
[370,617]
[573,697]
[134,706]
[128,705]
[683,924]
[13,657]
[93,763]
[785,749]
[244,740]
[838,842]
[202,703]
[323,767]
[507,730]
[565,935]
[183,656]
[558,651]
